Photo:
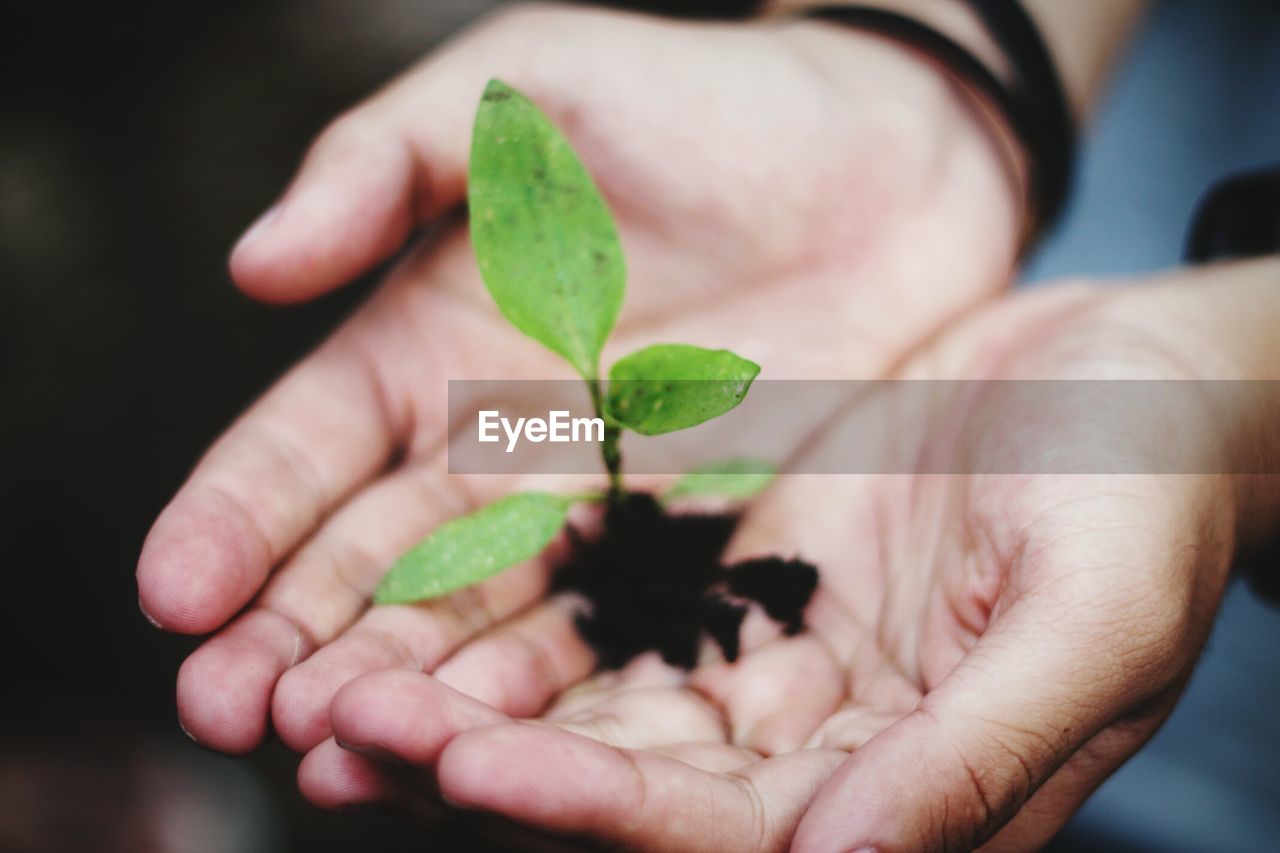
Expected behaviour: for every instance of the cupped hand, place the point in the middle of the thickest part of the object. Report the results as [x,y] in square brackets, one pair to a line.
[773,186]
[985,648]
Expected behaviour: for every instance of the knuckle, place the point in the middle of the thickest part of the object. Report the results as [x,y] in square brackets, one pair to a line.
[993,776]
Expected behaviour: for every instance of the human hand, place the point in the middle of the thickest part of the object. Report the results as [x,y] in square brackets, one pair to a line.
[772,185]
[983,651]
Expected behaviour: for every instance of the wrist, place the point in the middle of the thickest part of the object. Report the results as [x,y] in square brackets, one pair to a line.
[1084,36]
[953,19]
[1219,321]
[935,133]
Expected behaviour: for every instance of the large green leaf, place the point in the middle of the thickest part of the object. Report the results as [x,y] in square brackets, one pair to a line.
[737,479]
[668,387]
[473,547]
[543,236]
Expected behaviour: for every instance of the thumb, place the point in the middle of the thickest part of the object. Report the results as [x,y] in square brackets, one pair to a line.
[951,773]
[360,191]
[393,162]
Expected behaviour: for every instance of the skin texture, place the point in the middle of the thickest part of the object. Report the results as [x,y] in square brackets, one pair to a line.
[984,649]
[1083,37]
[733,231]
[974,642]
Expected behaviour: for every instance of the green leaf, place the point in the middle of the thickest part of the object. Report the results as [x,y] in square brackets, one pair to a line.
[543,236]
[668,387]
[472,547]
[737,479]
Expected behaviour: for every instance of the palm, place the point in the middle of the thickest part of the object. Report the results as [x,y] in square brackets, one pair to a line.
[623,756]
[790,216]
[928,582]
[760,185]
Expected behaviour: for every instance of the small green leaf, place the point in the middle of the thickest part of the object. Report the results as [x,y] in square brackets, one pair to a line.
[472,547]
[737,479]
[543,236]
[668,387]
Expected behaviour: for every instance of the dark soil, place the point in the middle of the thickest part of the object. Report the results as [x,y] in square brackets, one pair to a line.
[656,581]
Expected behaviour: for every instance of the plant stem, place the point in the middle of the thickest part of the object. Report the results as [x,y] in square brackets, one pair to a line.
[609,449]
[612,459]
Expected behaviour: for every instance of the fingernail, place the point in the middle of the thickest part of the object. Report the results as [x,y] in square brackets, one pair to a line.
[297,646]
[154,622]
[372,751]
[455,804]
[261,226]
[187,732]
[349,746]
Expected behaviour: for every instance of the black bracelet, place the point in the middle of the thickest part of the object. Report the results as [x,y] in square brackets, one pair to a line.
[1239,217]
[1034,106]
[1039,88]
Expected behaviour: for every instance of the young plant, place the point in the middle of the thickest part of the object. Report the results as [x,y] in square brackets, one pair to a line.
[549,254]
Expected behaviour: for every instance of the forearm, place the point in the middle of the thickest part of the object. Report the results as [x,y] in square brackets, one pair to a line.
[1241,307]
[1083,36]
[1221,320]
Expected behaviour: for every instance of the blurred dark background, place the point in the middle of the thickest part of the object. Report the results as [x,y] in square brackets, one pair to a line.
[136,140]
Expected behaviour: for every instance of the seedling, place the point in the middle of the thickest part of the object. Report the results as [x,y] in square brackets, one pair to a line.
[550,257]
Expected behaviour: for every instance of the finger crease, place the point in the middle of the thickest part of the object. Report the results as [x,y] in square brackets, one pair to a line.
[398,648]
[303,471]
[304,641]
[398,422]
[348,561]
[538,659]
[759,820]
[259,533]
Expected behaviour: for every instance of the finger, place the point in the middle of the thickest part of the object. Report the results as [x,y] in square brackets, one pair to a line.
[847,545]
[1049,809]
[709,755]
[415,720]
[951,773]
[422,636]
[410,717]
[878,696]
[846,542]
[406,716]
[852,726]
[522,665]
[646,671]
[412,637]
[392,162]
[225,687]
[334,778]
[318,434]
[357,196]
[331,777]
[561,782]
[776,696]
[648,718]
